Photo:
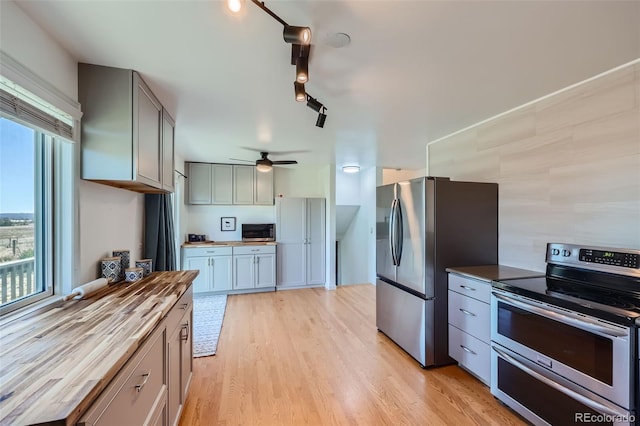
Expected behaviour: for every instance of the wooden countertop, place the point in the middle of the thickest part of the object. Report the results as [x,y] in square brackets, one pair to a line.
[54,364]
[490,273]
[229,243]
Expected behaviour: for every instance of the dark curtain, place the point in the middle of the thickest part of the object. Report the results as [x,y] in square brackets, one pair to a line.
[159,241]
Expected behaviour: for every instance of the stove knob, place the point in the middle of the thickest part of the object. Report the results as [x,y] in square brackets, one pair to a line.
[555,252]
[566,253]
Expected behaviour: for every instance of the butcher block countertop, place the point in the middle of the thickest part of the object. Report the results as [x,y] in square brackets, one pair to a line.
[54,364]
[490,273]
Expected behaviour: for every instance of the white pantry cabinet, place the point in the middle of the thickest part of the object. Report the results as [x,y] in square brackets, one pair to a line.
[300,232]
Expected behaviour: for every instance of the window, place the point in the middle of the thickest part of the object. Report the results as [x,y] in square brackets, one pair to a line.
[38,174]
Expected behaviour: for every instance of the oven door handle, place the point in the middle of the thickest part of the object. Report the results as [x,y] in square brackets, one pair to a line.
[570,393]
[600,328]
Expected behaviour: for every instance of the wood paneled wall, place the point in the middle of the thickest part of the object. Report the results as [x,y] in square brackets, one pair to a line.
[567,165]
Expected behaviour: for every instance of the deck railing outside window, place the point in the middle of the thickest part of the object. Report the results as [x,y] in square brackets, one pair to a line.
[17,279]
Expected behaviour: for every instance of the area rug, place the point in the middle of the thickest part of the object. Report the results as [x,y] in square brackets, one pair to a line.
[208,314]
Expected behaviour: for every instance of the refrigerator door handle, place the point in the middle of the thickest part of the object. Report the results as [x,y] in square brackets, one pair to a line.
[392,211]
[399,232]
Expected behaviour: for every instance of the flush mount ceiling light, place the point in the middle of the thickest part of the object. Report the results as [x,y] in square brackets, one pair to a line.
[263,167]
[351,169]
[300,93]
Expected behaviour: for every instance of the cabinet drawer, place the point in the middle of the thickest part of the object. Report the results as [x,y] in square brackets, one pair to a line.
[254,249]
[471,353]
[135,392]
[470,315]
[473,288]
[208,251]
[176,313]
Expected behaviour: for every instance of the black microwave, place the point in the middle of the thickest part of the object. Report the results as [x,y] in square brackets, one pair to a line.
[258,232]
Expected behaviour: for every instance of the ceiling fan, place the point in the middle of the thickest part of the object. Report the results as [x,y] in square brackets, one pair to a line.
[264,164]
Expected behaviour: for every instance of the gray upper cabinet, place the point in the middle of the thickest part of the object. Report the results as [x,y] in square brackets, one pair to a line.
[124,131]
[228,184]
[168,146]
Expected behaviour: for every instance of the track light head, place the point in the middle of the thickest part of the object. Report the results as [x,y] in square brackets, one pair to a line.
[302,70]
[321,118]
[313,104]
[297,35]
[301,95]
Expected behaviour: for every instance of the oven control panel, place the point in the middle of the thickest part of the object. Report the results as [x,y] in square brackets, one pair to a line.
[618,261]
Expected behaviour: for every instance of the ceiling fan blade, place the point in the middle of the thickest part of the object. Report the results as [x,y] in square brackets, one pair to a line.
[286,162]
[240,159]
[298,151]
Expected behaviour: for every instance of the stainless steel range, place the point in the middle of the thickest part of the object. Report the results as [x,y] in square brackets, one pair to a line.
[565,346]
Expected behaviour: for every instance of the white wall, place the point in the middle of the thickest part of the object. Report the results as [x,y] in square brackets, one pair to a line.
[206,220]
[109,218]
[567,165]
[393,175]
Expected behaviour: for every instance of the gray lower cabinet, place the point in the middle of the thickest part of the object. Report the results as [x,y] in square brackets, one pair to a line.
[124,130]
[254,267]
[470,325]
[152,386]
[226,269]
[228,184]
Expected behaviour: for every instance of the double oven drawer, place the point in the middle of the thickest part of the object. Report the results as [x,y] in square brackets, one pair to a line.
[568,361]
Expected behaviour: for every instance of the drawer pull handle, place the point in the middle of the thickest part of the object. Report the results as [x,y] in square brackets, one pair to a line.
[144,381]
[467,288]
[184,306]
[464,311]
[184,332]
[466,349]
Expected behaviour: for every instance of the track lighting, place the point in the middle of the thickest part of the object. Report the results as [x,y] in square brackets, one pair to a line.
[297,35]
[313,103]
[235,6]
[302,70]
[321,118]
[301,95]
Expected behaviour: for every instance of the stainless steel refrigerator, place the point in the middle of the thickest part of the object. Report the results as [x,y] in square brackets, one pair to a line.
[422,227]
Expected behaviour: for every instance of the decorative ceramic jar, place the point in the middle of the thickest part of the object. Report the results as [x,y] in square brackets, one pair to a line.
[133,274]
[110,267]
[146,265]
[125,261]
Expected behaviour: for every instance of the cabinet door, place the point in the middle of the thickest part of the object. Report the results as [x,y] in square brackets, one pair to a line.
[222,183]
[221,273]
[174,386]
[186,355]
[291,237]
[315,246]
[199,183]
[203,280]
[263,188]
[243,184]
[265,270]
[147,134]
[243,272]
[168,167]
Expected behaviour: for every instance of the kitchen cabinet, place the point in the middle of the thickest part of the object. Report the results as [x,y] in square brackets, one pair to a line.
[179,356]
[254,267]
[300,232]
[168,145]
[123,131]
[470,325]
[228,184]
[151,388]
[214,264]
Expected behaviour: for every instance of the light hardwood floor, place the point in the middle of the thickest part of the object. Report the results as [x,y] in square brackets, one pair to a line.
[315,357]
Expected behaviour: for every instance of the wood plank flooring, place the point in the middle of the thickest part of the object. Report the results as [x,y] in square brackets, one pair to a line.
[315,357]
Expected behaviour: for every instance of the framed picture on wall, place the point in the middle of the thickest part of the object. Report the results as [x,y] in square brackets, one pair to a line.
[227,223]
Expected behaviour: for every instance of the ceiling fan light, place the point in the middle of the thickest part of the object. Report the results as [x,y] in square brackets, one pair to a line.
[264,168]
[297,35]
[351,169]
[301,95]
[302,70]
